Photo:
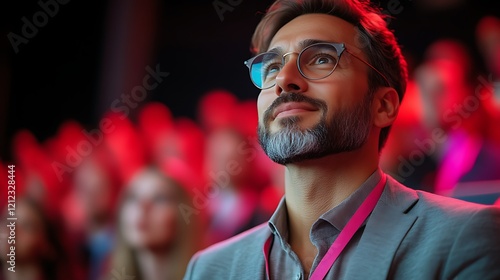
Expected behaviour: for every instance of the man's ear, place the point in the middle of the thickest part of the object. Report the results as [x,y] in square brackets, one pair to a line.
[385,106]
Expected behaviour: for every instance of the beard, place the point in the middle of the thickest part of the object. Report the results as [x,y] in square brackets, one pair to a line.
[347,130]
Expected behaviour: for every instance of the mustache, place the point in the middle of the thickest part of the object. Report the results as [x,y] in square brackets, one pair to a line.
[293,97]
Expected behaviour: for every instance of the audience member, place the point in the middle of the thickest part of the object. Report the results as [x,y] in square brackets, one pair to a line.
[455,119]
[96,186]
[39,252]
[488,40]
[234,180]
[155,240]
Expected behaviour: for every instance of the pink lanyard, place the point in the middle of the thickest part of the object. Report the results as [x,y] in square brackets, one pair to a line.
[344,237]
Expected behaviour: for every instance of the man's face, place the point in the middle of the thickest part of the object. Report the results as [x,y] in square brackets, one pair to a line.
[304,119]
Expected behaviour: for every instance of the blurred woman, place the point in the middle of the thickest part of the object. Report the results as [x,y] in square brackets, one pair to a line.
[155,240]
[38,251]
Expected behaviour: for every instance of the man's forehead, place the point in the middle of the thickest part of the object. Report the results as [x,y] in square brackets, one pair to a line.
[310,27]
[280,49]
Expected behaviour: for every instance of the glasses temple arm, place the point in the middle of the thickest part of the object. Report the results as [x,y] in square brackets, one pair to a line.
[372,67]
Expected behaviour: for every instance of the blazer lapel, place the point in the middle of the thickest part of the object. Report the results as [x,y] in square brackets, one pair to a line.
[384,231]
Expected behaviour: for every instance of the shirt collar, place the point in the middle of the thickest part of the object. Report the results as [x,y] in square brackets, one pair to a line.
[278,223]
[340,215]
[337,216]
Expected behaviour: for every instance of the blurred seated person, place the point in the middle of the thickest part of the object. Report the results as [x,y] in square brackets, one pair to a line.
[39,253]
[456,121]
[155,239]
[235,182]
[96,186]
[233,198]
[216,109]
[488,40]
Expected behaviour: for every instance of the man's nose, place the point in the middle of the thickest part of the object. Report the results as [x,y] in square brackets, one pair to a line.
[289,79]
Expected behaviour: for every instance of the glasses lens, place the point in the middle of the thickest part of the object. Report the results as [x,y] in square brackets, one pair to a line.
[318,61]
[264,69]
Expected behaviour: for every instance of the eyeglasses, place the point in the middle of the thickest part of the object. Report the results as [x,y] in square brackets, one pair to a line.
[314,62]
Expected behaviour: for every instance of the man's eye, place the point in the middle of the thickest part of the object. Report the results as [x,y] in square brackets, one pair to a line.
[323,59]
[272,69]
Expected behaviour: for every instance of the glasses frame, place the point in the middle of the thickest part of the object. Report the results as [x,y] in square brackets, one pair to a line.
[340,47]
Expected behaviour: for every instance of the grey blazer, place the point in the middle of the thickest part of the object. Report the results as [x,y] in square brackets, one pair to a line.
[410,235]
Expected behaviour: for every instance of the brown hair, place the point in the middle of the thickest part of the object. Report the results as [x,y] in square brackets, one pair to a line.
[375,39]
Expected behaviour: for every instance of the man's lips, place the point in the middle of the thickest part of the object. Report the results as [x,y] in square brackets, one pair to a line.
[291,108]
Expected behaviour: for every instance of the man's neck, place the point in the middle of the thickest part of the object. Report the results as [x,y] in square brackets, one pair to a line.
[313,187]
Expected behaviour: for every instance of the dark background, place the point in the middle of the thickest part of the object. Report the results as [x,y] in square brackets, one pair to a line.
[64,71]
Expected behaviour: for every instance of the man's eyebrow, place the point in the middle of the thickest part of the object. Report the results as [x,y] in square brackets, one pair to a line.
[278,50]
[302,45]
[307,42]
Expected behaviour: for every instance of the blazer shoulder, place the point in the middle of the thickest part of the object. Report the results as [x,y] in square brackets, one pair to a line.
[244,240]
[451,207]
[431,205]
[227,259]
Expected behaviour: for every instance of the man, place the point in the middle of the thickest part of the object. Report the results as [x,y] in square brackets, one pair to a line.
[332,77]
